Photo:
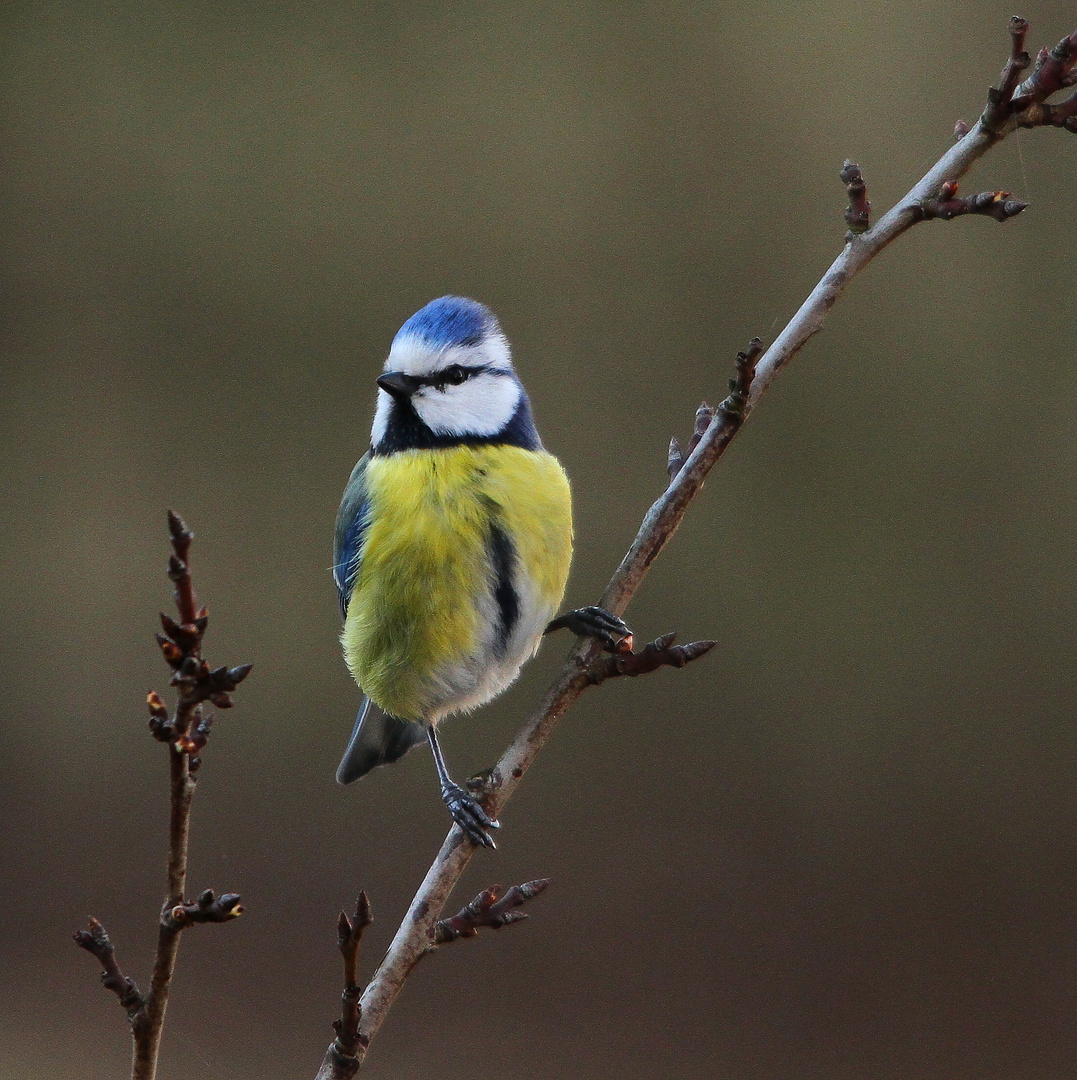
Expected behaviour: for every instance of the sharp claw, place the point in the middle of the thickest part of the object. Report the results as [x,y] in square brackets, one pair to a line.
[477,836]
[598,623]
[471,817]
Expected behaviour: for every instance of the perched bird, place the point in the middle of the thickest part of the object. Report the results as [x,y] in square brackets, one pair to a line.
[453,543]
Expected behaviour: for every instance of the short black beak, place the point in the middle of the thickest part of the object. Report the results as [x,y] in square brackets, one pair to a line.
[398,384]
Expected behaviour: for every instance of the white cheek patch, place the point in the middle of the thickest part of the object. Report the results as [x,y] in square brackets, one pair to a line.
[481,406]
[381,417]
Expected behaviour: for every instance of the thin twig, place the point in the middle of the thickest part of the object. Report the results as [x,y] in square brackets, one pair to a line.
[208,908]
[1052,72]
[489,909]
[341,1061]
[186,732]
[946,205]
[1050,75]
[659,653]
[661,522]
[96,941]
[999,99]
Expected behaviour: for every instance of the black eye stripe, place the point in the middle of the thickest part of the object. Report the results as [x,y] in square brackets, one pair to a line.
[441,379]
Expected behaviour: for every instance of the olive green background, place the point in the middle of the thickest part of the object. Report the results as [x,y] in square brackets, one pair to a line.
[843,845]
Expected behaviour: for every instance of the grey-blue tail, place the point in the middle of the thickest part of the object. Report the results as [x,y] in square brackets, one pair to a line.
[377,739]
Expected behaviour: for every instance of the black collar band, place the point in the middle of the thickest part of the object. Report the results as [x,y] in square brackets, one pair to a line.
[405,431]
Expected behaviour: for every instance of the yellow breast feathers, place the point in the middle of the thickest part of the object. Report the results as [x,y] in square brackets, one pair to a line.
[418,632]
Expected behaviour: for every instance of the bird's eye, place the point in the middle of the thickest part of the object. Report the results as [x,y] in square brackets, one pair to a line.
[454,375]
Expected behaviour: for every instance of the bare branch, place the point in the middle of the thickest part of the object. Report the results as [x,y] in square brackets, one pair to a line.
[208,908]
[659,653]
[341,1061]
[999,98]
[688,473]
[344,1056]
[1063,115]
[350,934]
[946,205]
[732,409]
[96,941]
[1053,72]
[179,568]
[186,732]
[490,909]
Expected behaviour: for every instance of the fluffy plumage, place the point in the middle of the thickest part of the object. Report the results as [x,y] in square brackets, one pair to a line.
[463,564]
[454,536]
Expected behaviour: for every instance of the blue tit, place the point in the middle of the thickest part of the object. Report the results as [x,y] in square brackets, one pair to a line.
[453,544]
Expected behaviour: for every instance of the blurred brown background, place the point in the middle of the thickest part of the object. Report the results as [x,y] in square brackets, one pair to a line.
[842,846]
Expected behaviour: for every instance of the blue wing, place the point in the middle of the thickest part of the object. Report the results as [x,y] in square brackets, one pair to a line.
[377,738]
[352,522]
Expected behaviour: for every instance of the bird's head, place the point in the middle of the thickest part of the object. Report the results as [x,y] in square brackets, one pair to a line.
[449,378]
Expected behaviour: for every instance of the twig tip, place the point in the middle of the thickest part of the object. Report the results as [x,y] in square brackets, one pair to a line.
[178,529]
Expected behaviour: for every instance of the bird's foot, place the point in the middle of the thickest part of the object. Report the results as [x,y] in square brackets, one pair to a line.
[468,813]
[598,623]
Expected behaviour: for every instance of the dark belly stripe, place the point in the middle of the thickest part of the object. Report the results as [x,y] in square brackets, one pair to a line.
[503,561]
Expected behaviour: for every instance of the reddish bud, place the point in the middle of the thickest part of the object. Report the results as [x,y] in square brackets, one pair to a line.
[172,653]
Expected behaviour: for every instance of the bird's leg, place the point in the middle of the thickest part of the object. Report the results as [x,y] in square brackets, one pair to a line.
[598,623]
[466,811]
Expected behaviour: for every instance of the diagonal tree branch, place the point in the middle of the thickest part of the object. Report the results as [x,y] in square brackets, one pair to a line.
[1009,105]
[998,121]
[490,909]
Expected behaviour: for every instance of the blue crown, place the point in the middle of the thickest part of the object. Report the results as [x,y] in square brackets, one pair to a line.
[450,320]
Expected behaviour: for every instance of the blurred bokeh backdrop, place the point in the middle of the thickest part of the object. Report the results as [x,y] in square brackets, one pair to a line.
[845,844]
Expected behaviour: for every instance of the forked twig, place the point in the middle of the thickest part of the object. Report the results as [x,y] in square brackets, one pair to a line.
[344,1056]
[490,909]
